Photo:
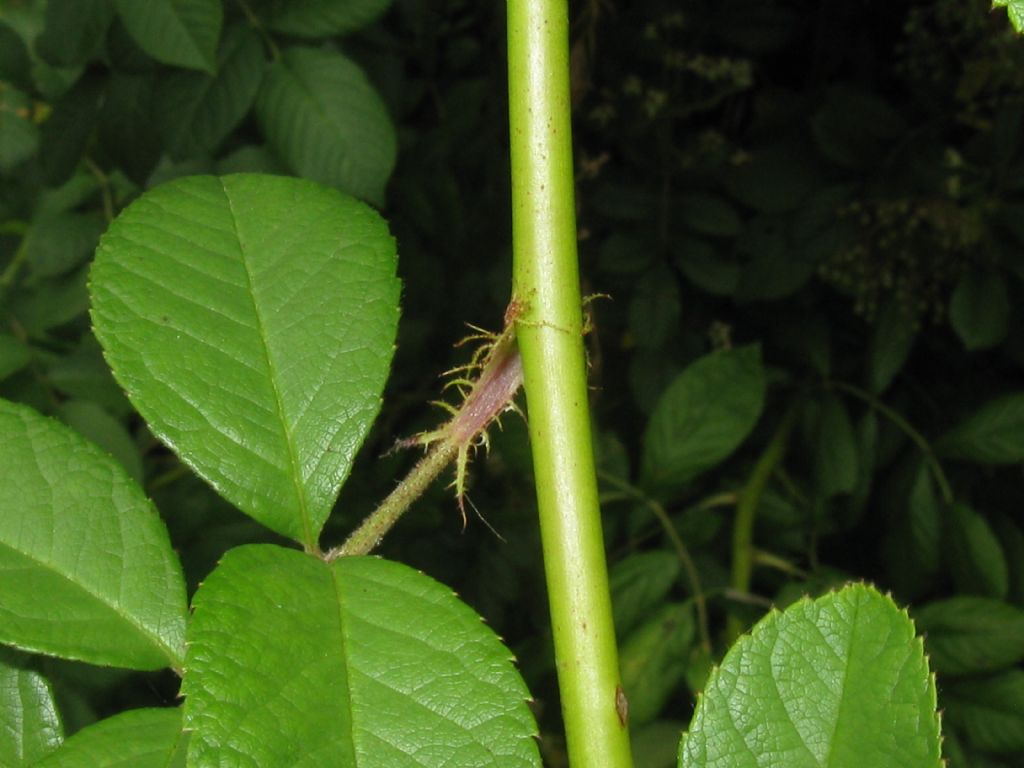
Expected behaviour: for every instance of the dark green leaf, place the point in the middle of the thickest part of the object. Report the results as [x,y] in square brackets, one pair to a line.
[994,434]
[99,427]
[840,681]
[128,132]
[15,64]
[653,660]
[623,254]
[19,136]
[891,342]
[75,528]
[57,244]
[775,179]
[251,159]
[704,267]
[296,662]
[654,309]
[14,355]
[854,127]
[980,309]
[703,416]
[251,320]
[774,268]
[835,455]
[655,744]
[138,738]
[757,26]
[52,302]
[182,33]
[30,726]
[322,18]
[989,711]
[83,373]
[66,132]
[912,544]
[1011,537]
[967,635]
[197,111]
[708,214]
[323,117]
[976,559]
[74,31]
[638,584]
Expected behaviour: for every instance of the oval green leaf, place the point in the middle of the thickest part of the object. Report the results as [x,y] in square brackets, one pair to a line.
[994,434]
[251,320]
[976,558]
[76,529]
[138,738]
[703,416]
[182,33]
[835,456]
[891,341]
[834,682]
[653,660]
[196,110]
[966,635]
[324,118]
[638,584]
[988,710]
[30,727]
[322,18]
[979,309]
[360,662]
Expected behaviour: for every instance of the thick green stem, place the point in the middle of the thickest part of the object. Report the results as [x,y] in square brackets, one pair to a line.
[550,332]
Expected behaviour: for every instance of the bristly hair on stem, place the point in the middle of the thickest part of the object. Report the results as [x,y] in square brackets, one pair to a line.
[498,377]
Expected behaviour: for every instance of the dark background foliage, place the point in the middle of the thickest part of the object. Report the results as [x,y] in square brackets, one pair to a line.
[837,182]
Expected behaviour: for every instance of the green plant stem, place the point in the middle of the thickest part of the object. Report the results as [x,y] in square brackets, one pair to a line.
[919,440]
[368,535]
[550,332]
[746,511]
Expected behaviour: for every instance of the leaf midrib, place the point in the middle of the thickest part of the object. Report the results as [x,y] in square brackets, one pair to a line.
[308,541]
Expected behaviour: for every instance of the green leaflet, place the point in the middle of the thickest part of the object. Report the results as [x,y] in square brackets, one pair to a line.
[197,110]
[75,528]
[370,663]
[703,416]
[74,31]
[653,660]
[966,635]
[30,726]
[1015,10]
[979,309]
[251,320]
[323,117]
[993,434]
[183,33]
[138,738]
[835,682]
[988,710]
[322,18]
